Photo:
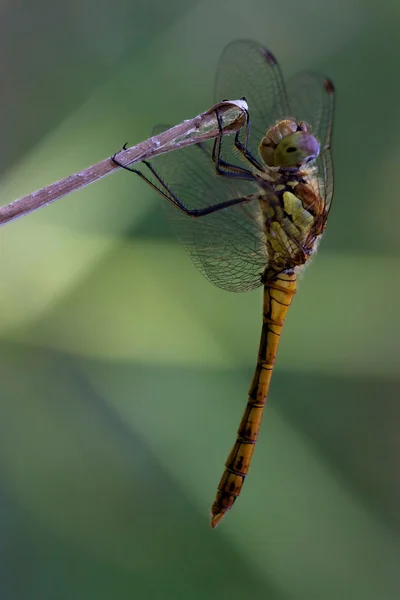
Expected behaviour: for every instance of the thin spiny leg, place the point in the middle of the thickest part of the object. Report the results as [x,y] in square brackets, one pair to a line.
[169,195]
[223,168]
[244,148]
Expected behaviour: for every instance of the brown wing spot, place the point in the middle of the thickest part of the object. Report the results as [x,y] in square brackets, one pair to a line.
[269,57]
[328,85]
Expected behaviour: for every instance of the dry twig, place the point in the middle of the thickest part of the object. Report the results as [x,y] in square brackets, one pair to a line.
[199,129]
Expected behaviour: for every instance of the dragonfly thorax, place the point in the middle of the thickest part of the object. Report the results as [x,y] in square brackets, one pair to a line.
[288,144]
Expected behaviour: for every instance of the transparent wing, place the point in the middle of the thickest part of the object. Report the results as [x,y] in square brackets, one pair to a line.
[227,246]
[248,69]
[324,179]
[311,99]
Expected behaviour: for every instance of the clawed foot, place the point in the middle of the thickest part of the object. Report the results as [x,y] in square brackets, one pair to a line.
[115,161]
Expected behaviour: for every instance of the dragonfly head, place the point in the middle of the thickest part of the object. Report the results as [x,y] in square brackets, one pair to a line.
[288,144]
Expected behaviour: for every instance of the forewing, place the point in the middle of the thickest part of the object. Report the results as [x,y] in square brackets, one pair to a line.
[227,246]
[248,69]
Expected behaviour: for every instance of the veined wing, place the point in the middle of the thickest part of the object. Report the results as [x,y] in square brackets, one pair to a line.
[311,99]
[227,246]
[248,69]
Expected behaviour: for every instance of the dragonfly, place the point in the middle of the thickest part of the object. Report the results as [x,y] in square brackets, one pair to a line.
[252,213]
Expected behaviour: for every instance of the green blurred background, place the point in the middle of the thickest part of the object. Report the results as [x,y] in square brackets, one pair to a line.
[124,373]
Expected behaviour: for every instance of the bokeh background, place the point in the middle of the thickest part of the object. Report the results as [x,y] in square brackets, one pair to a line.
[124,373]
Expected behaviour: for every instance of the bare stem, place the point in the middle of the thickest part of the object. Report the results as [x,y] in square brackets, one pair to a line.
[199,129]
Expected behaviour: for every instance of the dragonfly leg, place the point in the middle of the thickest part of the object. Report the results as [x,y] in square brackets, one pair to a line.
[223,167]
[244,148]
[166,192]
